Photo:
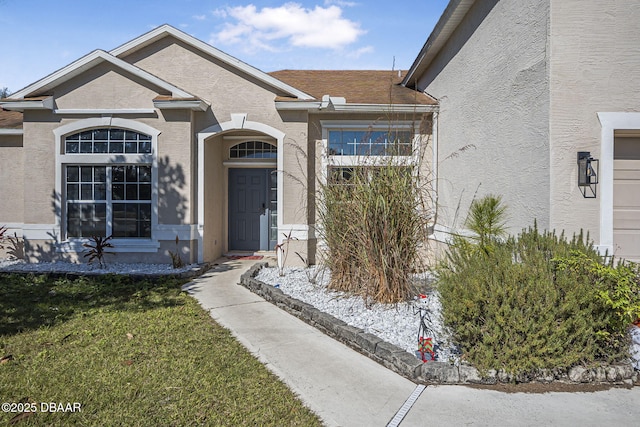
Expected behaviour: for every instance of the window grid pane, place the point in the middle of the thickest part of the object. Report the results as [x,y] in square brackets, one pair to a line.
[132,213]
[369,143]
[100,141]
[253,150]
[89,191]
[86,219]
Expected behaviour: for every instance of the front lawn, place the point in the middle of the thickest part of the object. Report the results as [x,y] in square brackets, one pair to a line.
[130,353]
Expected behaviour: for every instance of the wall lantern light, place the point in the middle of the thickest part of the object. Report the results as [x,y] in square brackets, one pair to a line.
[587,174]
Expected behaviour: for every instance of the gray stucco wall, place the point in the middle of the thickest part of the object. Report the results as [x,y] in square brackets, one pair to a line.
[12,179]
[491,79]
[595,58]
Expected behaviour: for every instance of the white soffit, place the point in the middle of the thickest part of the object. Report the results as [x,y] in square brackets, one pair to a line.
[355,108]
[164,30]
[87,62]
[195,105]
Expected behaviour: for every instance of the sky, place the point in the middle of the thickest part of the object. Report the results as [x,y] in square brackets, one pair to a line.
[38,37]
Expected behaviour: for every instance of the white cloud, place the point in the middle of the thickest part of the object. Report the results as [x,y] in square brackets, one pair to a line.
[359,52]
[291,24]
[219,13]
[199,17]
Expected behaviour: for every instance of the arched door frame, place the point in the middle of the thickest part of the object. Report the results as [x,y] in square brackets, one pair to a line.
[237,122]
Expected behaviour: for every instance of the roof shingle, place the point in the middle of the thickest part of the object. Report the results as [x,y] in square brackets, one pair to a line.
[357,86]
[10,119]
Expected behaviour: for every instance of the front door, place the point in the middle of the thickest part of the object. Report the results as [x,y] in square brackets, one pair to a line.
[250,209]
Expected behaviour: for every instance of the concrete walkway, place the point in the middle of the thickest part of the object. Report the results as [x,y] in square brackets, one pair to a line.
[347,389]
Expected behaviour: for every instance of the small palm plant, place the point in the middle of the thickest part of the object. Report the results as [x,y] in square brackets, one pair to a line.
[97,249]
[487,220]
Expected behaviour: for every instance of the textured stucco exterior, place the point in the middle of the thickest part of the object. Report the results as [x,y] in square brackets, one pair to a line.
[523,87]
[595,58]
[491,79]
[12,179]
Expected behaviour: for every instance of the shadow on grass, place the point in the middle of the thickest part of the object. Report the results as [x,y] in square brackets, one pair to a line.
[29,302]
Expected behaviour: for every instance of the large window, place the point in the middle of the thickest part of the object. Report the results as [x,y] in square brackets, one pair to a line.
[108,200]
[104,198]
[344,142]
[356,148]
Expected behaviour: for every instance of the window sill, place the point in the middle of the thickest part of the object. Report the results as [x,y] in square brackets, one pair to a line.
[119,245]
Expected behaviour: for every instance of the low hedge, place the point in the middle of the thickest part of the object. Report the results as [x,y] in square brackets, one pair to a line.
[537,301]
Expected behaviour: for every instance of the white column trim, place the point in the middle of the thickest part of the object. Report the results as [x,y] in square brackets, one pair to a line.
[610,121]
[298,231]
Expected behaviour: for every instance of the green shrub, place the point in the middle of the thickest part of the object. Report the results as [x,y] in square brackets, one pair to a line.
[536,301]
[616,287]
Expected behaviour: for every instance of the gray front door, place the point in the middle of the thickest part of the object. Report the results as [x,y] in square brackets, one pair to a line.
[250,209]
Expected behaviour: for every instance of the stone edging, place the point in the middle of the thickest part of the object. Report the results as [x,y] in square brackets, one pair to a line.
[405,364]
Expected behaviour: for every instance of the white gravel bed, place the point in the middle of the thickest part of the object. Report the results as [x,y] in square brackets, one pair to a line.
[69,267]
[397,324]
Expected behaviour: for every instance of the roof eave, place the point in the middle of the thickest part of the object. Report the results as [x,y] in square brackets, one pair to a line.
[194,105]
[11,132]
[87,62]
[28,104]
[355,107]
[297,105]
[448,22]
[384,108]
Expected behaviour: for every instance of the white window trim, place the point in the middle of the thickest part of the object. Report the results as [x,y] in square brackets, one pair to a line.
[364,160]
[328,161]
[62,160]
[610,122]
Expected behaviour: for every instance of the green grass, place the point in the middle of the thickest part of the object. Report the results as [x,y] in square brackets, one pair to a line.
[131,353]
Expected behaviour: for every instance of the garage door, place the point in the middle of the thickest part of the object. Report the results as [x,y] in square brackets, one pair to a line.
[626,198]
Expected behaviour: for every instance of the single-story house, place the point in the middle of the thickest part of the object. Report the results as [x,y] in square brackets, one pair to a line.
[165,136]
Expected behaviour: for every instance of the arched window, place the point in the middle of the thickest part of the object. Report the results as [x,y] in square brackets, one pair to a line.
[107,141]
[253,150]
[103,198]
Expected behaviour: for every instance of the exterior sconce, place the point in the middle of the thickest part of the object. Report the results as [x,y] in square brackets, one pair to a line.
[587,175]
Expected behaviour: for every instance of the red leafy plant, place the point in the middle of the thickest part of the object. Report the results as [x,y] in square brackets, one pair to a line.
[97,249]
[3,232]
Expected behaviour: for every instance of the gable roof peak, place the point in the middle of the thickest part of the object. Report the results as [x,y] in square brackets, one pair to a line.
[168,30]
[89,61]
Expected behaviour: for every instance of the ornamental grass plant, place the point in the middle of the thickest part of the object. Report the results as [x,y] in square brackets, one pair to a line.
[536,300]
[374,224]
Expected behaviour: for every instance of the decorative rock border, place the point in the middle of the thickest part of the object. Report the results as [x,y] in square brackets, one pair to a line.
[407,365]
